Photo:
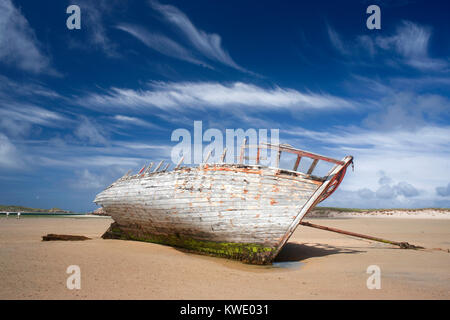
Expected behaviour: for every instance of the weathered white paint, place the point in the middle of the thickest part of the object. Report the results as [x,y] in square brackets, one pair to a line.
[230,203]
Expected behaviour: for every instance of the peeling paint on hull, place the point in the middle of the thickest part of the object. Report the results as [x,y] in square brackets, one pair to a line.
[243,212]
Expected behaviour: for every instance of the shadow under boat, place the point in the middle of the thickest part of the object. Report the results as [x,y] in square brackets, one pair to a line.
[296,252]
[293,254]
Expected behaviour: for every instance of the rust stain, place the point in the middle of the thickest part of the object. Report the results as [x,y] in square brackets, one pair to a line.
[233,169]
[257,197]
[245,191]
[272,202]
[257,216]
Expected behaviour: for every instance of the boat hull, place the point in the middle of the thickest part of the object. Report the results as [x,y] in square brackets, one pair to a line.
[243,212]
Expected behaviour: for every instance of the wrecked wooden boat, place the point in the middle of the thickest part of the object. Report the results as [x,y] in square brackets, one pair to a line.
[239,211]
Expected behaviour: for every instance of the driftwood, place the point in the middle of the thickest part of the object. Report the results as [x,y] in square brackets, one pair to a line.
[63,237]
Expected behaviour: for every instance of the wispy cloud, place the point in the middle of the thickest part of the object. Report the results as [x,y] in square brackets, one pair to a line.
[337,42]
[93,20]
[9,155]
[10,88]
[411,41]
[209,44]
[417,159]
[19,45]
[23,104]
[409,45]
[161,43]
[185,96]
[90,132]
[16,118]
[430,138]
[133,121]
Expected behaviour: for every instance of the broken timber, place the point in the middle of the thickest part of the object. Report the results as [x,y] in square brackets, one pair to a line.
[241,211]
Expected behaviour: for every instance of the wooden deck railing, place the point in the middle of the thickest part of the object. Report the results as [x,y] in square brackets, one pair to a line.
[289,149]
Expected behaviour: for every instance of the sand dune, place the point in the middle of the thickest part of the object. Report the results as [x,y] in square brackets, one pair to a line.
[427,213]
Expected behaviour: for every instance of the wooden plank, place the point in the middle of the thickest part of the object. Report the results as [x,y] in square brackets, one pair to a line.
[277,163]
[313,200]
[300,152]
[207,157]
[126,175]
[224,153]
[243,146]
[149,167]
[158,166]
[257,155]
[313,166]
[140,171]
[297,162]
[258,206]
[179,163]
[230,203]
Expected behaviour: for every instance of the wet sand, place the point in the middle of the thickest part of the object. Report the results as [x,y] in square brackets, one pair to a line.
[315,264]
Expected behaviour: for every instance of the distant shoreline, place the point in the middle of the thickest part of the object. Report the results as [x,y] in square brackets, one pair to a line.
[423,213]
[317,212]
[49,214]
[21,209]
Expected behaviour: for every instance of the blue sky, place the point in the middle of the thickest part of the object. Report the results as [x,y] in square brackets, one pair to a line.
[79,108]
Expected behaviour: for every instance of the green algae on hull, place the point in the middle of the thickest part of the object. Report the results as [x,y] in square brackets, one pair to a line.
[246,252]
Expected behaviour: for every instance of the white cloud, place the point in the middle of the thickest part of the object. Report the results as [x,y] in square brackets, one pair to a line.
[405,189]
[185,96]
[87,180]
[10,88]
[9,155]
[18,43]
[161,43]
[209,44]
[134,121]
[337,41]
[90,131]
[20,107]
[141,146]
[411,41]
[409,45]
[417,159]
[443,191]
[93,13]
[17,118]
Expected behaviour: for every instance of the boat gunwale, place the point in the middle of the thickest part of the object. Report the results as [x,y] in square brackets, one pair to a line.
[277,171]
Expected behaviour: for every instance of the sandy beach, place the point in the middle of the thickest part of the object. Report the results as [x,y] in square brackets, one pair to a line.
[315,264]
